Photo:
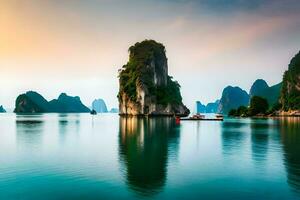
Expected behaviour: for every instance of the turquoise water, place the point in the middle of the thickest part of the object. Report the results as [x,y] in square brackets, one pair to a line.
[58,156]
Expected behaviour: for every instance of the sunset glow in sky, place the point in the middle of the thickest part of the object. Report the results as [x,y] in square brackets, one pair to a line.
[77,46]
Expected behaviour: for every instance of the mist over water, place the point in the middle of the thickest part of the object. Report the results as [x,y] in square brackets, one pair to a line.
[79,156]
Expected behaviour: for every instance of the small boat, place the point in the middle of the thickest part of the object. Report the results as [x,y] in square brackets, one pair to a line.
[177,120]
[197,116]
[202,117]
[219,116]
[93,112]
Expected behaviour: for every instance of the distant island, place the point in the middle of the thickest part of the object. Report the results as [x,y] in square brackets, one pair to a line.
[209,108]
[99,106]
[262,89]
[145,86]
[33,102]
[282,99]
[235,97]
[114,110]
[2,110]
[232,97]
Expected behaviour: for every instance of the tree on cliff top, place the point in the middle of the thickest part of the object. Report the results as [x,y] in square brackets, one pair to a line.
[258,105]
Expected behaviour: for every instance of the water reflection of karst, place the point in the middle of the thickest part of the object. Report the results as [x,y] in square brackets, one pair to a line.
[233,136]
[29,130]
[144,146]
[68,123]
[290,137]
[259,140]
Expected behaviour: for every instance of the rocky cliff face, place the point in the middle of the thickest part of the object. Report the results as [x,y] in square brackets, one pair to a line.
[145,86]
[232,98]
[32,102]
[290,92]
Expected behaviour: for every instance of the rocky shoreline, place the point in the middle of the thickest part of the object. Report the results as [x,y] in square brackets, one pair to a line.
[278,114]
[292,113]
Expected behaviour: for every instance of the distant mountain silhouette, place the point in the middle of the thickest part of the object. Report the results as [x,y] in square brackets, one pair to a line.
[262,89]
[2,110]
[258,86]
[209,108]
[33,102]
[200,108]
[232,98]
[212,107]
[99,106]
[68,104]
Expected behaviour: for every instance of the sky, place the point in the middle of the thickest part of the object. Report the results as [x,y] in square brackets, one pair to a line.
[77,46]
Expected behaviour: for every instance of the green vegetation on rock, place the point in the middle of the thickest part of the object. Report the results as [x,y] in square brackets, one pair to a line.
[241,111]
[138,71]
[258,106]
[290,92]
[232,98]
[261,88]
[134,72]
[168,94]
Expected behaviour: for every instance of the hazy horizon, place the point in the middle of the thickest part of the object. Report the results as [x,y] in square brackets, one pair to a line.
[77,47]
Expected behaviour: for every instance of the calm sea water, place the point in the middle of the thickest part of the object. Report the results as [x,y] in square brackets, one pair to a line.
[57,156]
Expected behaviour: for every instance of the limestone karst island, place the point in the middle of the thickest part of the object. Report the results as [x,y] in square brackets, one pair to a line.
[145,86]
[150,99]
